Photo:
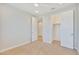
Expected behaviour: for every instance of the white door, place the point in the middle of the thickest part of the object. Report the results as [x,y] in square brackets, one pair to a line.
[34,29]
[66,29]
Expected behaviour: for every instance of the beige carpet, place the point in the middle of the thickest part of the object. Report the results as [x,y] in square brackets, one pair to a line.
[40,48]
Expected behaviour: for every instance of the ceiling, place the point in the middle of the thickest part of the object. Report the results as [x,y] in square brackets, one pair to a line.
[42,8]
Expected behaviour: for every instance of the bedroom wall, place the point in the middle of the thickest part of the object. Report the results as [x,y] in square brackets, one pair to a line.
[15,27]
[47,29]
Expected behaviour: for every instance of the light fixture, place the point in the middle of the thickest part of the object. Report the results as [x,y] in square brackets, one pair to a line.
[36,4]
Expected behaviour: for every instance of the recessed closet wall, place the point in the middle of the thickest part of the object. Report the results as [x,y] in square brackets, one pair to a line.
[56,27]
[75,8]
[61,26]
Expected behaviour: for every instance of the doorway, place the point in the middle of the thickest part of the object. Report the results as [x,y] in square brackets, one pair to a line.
[40,30]
[37,29]
[56,28]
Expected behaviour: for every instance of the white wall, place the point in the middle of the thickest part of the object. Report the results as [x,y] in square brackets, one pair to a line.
[15,27]
[66,29]
[47,29]
[77,26]
[34,29]
[56,26]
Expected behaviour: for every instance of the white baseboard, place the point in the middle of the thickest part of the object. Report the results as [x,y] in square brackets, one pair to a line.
[18,45]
